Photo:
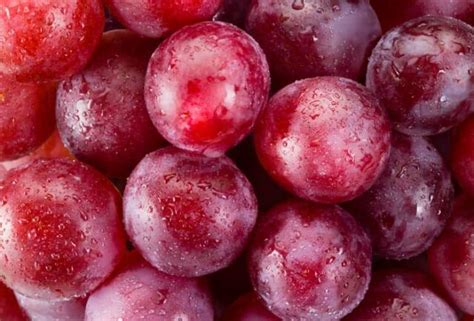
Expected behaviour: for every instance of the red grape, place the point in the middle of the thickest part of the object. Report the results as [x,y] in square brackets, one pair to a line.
[139,292]
[9,308]
[205,87]
[394,13]
[157,18]
[409,205]
[249,308]
[26,116]
[51,148]
[233,11]
[308,38]
[60,230]
[325,139]
[188,215]
[462,155]
[403,295]
[451,257]
[40,310]
[45,40]
[101,111]
[422,73]
[310,262]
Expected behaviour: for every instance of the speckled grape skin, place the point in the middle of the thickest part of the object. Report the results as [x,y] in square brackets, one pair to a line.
[101,111]
[462,155]
[158,18]
[205,87]
[409,205]
[51,148]
[9,308]
[189,215]
[140,292]
[26,117]
[325,139]
[422,73]
[394,13]
[451,257]
[45,310]
[248,308]
[310,38]
[46,40]
[60,229]
[402,295]
[310,262]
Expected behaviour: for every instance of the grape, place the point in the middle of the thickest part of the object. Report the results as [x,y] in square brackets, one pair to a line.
[462,155]
[39,310]
[451,257]
[394,13]
[310,262]
[205,87]
[46,40]
[9,308]
[308,38]
[101,111]
[324,139]
[139,292]
[402,294]
[249,308]
[233,11]
[51,148]
[422,73]
[26,116]
[158,18]
[409,205]
[60,230]
[188,215]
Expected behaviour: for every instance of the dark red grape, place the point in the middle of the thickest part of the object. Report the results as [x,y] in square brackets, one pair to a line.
[206,86]
[45,40]
[101,111]
[402,295]
[451,257]
[26,116]
[233,11]
[462,155]
[189,215]
[409,205]
[394,13]
[248,308]
[140,292]
[308,38]
[52,148]
[60,229]
[422,72]
[9,308]
[157,18]
[310,262]
[46,310]
[325,139]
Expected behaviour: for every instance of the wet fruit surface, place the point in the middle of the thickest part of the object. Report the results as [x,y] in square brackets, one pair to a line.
[45,40]
[409,205]
[188,215]
[309,261]
[422,71]
[26,117]
[101,111]
[308,38]
[403,295]
[205,87]
[324,139]
[60,229]
[157,18]
[452,255]
[140,292]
